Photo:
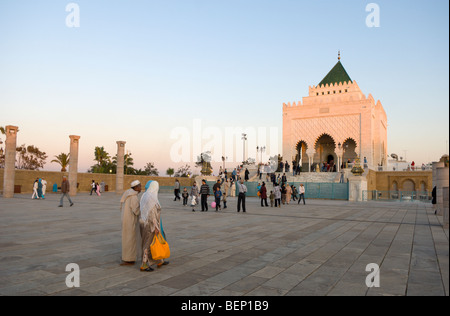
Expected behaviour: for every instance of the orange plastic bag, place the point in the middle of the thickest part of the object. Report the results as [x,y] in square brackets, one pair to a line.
[159,248]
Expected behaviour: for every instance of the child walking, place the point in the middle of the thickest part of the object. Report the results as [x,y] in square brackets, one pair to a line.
[185,196]
[218,196]
[272,198]
[224,199]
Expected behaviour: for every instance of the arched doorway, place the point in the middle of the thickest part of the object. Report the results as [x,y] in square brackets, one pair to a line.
[423,186]
[409,185]
[349,148]
[394,186]
[330,158]
[394,190]
[325,149]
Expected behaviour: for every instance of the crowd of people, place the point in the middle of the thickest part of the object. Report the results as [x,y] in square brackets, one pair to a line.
[201,194]
[39,189]
[97,188]
[282,193]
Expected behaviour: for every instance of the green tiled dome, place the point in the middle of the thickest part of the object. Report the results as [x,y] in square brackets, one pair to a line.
[336,75]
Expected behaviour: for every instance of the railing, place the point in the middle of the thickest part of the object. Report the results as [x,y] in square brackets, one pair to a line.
[313,190]
[401,196]
[328,191]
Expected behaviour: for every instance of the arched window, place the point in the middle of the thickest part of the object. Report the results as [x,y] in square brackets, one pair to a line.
[423,186]
[394,186]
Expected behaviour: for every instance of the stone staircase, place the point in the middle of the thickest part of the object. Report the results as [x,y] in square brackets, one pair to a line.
[304,177]
[317,177]
[321,177]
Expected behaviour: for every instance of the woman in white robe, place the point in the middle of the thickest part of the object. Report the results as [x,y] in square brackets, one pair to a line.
[150,224]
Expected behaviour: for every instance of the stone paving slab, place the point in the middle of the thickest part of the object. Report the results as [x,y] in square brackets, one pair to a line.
[321,248]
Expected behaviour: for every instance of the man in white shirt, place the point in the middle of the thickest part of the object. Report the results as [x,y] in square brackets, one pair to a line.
[93,187]
[241,198]
[301,190]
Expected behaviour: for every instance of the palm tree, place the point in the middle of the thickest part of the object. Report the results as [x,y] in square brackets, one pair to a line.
[170,172]
[127,163]
[103,159]
[101,156]
[63,160]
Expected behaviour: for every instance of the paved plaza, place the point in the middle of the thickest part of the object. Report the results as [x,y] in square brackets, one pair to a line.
[322,248]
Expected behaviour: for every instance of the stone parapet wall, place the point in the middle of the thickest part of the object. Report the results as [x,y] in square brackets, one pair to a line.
[376,180]
[383,180]
[25,179]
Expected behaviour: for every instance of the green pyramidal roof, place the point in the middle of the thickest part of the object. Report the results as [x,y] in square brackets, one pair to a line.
[336,75]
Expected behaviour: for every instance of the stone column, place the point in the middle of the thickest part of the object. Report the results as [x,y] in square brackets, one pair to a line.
[445,198]
[435,165]
[310,153]
[73,164]
[120,166]
[10,161]
[339,154]
[442,181]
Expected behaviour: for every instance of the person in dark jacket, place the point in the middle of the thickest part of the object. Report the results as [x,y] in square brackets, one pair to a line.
[204,193]
[263,191]
[433,200]
[217,196]
[216,185]
[65,188]
[185,196]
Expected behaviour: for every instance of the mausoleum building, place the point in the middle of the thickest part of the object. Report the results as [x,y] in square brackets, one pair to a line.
[336,121]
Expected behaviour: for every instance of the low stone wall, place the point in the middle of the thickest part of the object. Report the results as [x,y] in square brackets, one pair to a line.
[384,180]
[26,178]
[376,180]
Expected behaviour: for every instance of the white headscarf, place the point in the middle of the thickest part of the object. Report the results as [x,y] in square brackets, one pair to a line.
[149,199]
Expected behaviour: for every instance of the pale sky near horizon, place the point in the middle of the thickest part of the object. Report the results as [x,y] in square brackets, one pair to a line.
[138,70]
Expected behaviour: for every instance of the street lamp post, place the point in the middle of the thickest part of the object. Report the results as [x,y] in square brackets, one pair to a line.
[244,138]
[223,161]
[1,153]
[339,158]
[260,150]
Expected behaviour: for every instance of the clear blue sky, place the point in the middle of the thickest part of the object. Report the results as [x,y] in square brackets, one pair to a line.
[135,70]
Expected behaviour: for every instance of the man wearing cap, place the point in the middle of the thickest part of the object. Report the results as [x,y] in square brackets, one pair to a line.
[129,205]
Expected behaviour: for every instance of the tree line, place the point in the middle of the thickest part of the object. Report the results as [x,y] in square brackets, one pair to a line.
[32,158]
